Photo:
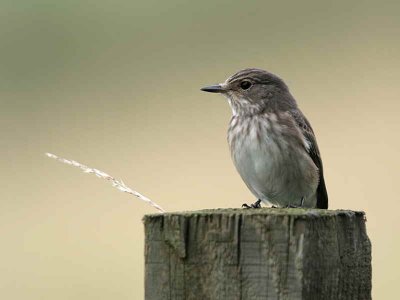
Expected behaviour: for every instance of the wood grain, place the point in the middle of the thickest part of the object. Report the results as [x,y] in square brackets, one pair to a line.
[257,254]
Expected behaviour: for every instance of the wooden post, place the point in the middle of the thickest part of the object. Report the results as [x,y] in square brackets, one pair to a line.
[257,254]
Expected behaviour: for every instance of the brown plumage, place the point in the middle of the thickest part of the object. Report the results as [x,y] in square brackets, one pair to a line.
[272,143]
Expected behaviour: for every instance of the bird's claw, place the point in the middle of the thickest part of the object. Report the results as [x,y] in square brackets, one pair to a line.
[291,206]
[296,206]
[256,204]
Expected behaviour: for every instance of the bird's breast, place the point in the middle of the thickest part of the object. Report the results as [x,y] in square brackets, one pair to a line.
[256,143]
[269,154]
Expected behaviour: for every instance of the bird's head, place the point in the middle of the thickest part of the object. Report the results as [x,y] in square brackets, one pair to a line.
[252,91]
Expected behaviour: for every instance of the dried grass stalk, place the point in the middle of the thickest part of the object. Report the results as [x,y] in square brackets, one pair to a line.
[119,184]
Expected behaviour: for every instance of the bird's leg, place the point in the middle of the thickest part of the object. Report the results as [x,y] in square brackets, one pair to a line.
[256,204]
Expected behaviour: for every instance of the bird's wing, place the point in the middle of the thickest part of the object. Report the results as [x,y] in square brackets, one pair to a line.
[313,151]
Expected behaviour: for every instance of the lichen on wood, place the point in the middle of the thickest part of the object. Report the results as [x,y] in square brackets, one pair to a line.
[257,254]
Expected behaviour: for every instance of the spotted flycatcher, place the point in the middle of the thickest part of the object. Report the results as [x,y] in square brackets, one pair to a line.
[272,143]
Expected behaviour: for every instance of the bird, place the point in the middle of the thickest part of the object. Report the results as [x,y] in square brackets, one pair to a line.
[272,144]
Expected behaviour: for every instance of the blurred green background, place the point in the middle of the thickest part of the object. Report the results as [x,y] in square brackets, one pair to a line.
[115,85]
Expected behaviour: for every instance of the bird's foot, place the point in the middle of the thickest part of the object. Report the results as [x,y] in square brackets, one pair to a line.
[256,204]
[291,206]
[295,206]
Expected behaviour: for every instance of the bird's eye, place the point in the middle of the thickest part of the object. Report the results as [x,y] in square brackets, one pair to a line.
[245,84]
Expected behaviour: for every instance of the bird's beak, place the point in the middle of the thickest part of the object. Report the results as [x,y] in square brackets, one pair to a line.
[213,89]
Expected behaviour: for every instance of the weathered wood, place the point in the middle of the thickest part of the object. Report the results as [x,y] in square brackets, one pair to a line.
[257,254]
